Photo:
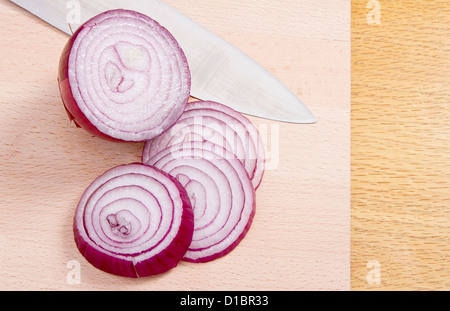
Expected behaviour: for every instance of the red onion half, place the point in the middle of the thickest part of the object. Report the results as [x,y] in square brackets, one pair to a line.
[134,221]
[122,76]
[220,124]
[220,191]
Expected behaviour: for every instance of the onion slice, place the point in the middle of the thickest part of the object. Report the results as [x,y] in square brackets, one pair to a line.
[122,76]
[220,124]
[221,194]
[134,221]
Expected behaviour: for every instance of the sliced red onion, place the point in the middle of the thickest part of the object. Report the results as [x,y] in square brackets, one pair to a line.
[220,124]
[122,76]
[221,194]
[134,221]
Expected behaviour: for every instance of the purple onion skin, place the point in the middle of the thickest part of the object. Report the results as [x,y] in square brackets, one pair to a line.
[71,106]
[158,264]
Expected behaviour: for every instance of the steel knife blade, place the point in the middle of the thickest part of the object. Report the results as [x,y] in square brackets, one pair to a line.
[220,71]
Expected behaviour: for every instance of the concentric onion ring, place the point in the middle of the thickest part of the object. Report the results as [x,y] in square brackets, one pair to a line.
[123,76]
[220,124]
[134,221]
[221,194]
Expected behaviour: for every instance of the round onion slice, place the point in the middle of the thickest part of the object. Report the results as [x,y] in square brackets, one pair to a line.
[220,124]
[134,221]
[221,194]
[122,76]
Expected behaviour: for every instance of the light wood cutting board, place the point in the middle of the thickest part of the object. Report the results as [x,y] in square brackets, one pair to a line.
[300,239]
[400,140]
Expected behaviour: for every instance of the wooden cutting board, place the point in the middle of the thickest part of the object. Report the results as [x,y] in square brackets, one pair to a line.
[400,140]
[300,239]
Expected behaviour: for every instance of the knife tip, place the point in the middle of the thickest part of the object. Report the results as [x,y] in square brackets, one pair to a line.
[304,120]
[301,116]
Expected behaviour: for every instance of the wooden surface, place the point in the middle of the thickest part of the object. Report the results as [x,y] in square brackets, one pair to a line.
[300,238]
[400,140]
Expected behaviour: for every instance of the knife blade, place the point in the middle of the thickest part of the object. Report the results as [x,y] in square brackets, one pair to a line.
[220,72]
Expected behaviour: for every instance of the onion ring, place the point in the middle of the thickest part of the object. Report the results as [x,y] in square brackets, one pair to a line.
[134,221]
[221,194]
[220,124]
[124,77]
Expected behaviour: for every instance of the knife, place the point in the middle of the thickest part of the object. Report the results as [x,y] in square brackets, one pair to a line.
[219,71]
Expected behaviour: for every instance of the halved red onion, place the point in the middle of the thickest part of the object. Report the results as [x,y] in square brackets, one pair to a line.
[122,76]
[220,124]
[221,194]
[134,221]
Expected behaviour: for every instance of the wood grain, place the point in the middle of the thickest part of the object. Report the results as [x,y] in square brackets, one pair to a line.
[300,238]
[400,139]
